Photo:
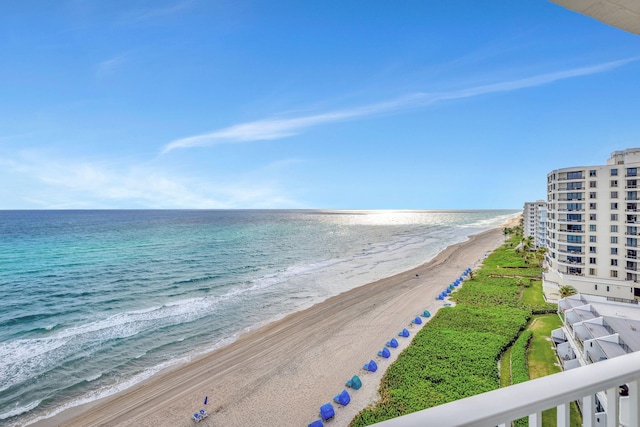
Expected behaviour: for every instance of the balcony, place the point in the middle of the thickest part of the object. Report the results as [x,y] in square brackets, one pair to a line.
[566,261]
[565,251]
[570,220]
[571,273]
[569,242]
[502,406]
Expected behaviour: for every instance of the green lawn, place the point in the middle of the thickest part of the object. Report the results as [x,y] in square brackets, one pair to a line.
[542,361]
[505,368]
[532,295]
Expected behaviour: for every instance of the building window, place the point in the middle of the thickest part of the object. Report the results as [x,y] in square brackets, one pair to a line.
[614,194]
[592,217]
[592,272]
[574,175]
[592,195]
[614,228]
[596,286]
[592,205]
[592,239]
[574,239]
[632,172]
[592,184]
[614,183]
[614,239]
[592,227]
[592,172]
[592,249]
[614,172]
[614,251]
[614,217]
[614,262]
[592,260]
[614,206]
[614,273]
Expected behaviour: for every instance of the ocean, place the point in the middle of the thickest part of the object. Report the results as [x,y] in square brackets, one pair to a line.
[93,302]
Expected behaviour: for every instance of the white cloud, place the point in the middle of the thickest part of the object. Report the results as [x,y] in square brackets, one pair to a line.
[56,183]
[158,12]
[110,66]
[276,128]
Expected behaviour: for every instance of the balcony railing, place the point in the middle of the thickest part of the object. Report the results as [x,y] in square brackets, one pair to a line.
[565,251]
[566,261]
[502,406]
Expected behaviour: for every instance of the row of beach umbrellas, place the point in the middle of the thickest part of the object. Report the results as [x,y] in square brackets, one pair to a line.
[327,410]
[442,295]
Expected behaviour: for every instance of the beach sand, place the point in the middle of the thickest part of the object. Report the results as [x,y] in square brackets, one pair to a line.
[280,374]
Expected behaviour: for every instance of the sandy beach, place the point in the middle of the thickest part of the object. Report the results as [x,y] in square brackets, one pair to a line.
[280,374]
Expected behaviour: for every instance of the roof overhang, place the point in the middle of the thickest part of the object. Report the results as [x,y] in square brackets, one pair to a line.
[623,14]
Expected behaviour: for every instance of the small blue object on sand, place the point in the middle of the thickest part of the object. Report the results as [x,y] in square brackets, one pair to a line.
[371,366]
[327,412]
[343,398]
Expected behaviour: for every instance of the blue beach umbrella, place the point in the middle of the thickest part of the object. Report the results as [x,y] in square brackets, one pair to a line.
[393,343]
[343,398]
[355,382]
[371,366]
[417,320]
[327,412]
[384,353]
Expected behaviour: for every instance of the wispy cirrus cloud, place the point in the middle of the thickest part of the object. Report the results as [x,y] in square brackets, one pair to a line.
[142,15]
[55,183]
[109,66]
[276,128]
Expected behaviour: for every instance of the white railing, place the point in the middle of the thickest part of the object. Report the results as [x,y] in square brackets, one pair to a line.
[529,399]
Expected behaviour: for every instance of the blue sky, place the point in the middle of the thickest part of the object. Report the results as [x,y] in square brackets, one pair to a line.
[300,104]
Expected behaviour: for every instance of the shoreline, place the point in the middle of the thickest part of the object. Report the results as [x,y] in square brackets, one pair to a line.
[282,372]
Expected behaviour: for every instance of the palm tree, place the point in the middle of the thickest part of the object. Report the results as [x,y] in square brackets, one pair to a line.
[506,231]
[567,290]
[527,243]
[539,256]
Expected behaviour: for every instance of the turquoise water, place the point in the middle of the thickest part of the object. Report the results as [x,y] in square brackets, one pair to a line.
[94,302]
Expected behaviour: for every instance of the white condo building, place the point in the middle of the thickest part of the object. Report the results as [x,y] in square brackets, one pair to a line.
[535,222]
[592,227]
